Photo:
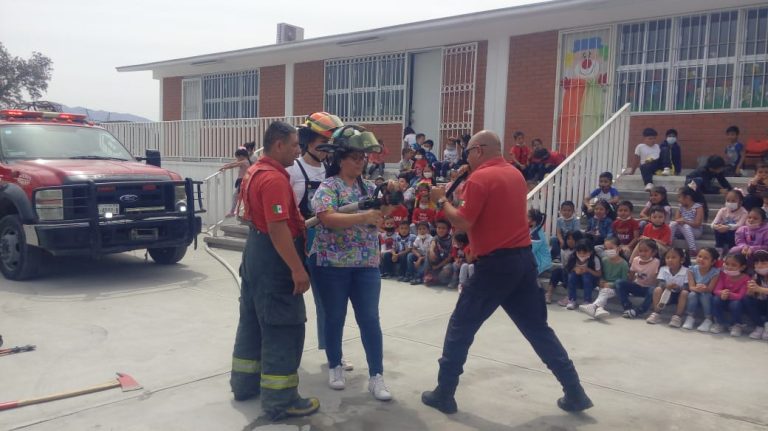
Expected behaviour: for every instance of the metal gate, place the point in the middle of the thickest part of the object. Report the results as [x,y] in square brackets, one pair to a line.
[457,94]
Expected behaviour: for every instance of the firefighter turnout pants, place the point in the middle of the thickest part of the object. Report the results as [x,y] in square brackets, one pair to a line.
[270,333]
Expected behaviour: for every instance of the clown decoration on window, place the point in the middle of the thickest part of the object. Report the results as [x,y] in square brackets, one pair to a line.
[584,87]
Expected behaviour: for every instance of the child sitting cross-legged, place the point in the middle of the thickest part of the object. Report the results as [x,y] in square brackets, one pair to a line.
[614,268]
[753,236]
[702,279]
[560,275]
[417,260]
[690,217]
[439,268]
[459,256]
[641,280]
[583,269]
[730,289]
[657,231]
[672,282]
[756,301]
[728,219]
[625,228]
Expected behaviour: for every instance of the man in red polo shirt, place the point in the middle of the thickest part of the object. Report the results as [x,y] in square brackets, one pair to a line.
[494,216]
[270,333]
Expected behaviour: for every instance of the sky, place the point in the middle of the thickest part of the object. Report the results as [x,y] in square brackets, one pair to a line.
[87,39]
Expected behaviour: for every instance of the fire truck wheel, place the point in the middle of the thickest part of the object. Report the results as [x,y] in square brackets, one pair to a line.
[18,260]
[167,255]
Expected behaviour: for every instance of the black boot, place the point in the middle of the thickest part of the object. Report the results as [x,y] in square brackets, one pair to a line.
[440,399]
[300,407]
[575,400]
[245,386]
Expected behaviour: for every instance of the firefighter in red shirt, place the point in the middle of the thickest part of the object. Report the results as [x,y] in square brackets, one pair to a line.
[494,216]
[270,333]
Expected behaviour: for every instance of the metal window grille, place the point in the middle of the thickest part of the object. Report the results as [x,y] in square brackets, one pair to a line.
[366,89]
[457,92]
[643,61]
[754,67]
[231,95]
[191,99]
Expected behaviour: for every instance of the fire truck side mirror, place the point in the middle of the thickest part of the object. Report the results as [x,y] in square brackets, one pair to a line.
[152,157]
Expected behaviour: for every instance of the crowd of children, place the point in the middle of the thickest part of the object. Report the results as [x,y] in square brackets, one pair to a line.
[621,257]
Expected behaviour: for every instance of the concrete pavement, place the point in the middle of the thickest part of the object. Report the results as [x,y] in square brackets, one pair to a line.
[172,328]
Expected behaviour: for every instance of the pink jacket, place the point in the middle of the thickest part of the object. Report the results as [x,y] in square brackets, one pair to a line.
[737,288]
[755,239]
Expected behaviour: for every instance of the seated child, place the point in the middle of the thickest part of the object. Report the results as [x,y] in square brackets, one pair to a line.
[417,260]
[459,257]
[753,236]
[756,301]
[403,247]
[539,240]
[728,219]
[757,188]
[625,228]
[614,268]
[641,279]
[567,222]
[669,154]
[703,176]
[423,210]
[657,197]
[648,157]
[730,289]
[406,164]
[605,192]
[600,226]
[671,289]
[657,231]
[734,152]
[702,279]
[559,275]
[439,269]
[583,269]
[519,152]
[387,244]
[467,269]
[690,218]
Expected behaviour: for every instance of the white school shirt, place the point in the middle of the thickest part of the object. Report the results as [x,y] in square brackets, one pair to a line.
[314,173]
[647,152]
[680,278]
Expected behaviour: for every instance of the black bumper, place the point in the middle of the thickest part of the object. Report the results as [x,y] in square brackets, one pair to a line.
[116,236]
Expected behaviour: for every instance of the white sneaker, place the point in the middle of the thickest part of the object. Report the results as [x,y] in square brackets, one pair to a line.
[715,329]
[653,319]
[705,326]
[675,321]
[757,333]
[378,388]
[601,312]
[648,187]
[588,309]
[736,330]
[665,172]
[571,305]
[336,379]
[689,321]
[348,366]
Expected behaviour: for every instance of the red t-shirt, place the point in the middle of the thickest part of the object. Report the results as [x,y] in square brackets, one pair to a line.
[496,191]
[419,165]
[555,158]
[624,230]
[399,213]
[662,234]
[427,215]
[268,197]
[521,153]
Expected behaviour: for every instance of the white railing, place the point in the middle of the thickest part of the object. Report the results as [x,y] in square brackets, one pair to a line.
[194,140]
[218,194]
[605,150]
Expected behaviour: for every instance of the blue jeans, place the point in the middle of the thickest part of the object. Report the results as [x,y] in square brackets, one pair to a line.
[319,310]
[726,240]
[362,287]
[412,269]
[387,266]
[756,309]
[719,306]
[625,288]
[694,299]
[584,281]
[442,168]
[554,246]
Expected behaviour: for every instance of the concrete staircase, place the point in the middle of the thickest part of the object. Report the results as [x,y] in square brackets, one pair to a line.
[631,188]
[231,236]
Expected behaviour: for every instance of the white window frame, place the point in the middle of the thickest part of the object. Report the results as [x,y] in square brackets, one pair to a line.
[191,99]
[238,101]
[393,112]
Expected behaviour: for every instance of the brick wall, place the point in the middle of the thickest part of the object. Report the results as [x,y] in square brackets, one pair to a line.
[392,135]
[482,62]
[699,134]
[308,87]
[171,99]
[272,91]
[530,86]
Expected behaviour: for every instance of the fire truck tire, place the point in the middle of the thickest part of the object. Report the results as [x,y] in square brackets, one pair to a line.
[167,255]
[18,260]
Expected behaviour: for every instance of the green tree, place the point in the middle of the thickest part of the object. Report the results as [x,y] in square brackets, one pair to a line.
[20,76]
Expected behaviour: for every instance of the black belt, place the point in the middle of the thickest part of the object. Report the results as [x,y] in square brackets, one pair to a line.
[255,229]
[504,252]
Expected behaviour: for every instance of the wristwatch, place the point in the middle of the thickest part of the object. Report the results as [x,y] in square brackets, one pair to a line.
[441,202]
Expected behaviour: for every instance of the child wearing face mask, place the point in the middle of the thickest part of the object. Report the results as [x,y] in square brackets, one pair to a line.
[584,270]
[671,287]
[702,278]
[730,289]
[387,240]
[417,259]
[427,176]
[424,212]
[419,162]
[753,236]
[614,268]
[756,300]
[641,279]
[669,154]
[728,219]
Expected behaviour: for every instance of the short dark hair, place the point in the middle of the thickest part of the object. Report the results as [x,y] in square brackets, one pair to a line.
[277,131]
[715,162]
[241,152]
[657,209]
[534,140]
[606,175]
[613,240]
[250,145]
[518,134]
[649,131]
[461,237]
[420,135]
[568,204]
[732,129]
[404,222]
[443,221]
[627,204]
[422,224]
[429,142]
[672,132]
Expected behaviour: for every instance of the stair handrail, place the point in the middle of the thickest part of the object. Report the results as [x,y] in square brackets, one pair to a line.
[571,179]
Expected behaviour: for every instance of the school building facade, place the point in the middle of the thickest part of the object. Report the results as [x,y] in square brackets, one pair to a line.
[555,70]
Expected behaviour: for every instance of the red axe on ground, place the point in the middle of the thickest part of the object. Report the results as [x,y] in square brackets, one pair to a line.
[124,381]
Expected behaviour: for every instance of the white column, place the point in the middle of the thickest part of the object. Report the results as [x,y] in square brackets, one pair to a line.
[288,89]
[160,88]
[496,84]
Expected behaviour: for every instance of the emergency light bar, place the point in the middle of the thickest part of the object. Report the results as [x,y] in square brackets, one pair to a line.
[17,114]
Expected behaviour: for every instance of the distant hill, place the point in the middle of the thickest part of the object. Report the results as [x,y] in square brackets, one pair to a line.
[99,116]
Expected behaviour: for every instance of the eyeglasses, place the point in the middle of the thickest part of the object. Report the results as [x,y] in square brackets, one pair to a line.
[469,150]
[357,157]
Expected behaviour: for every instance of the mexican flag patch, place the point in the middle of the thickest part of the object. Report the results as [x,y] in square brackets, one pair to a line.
[277,209]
